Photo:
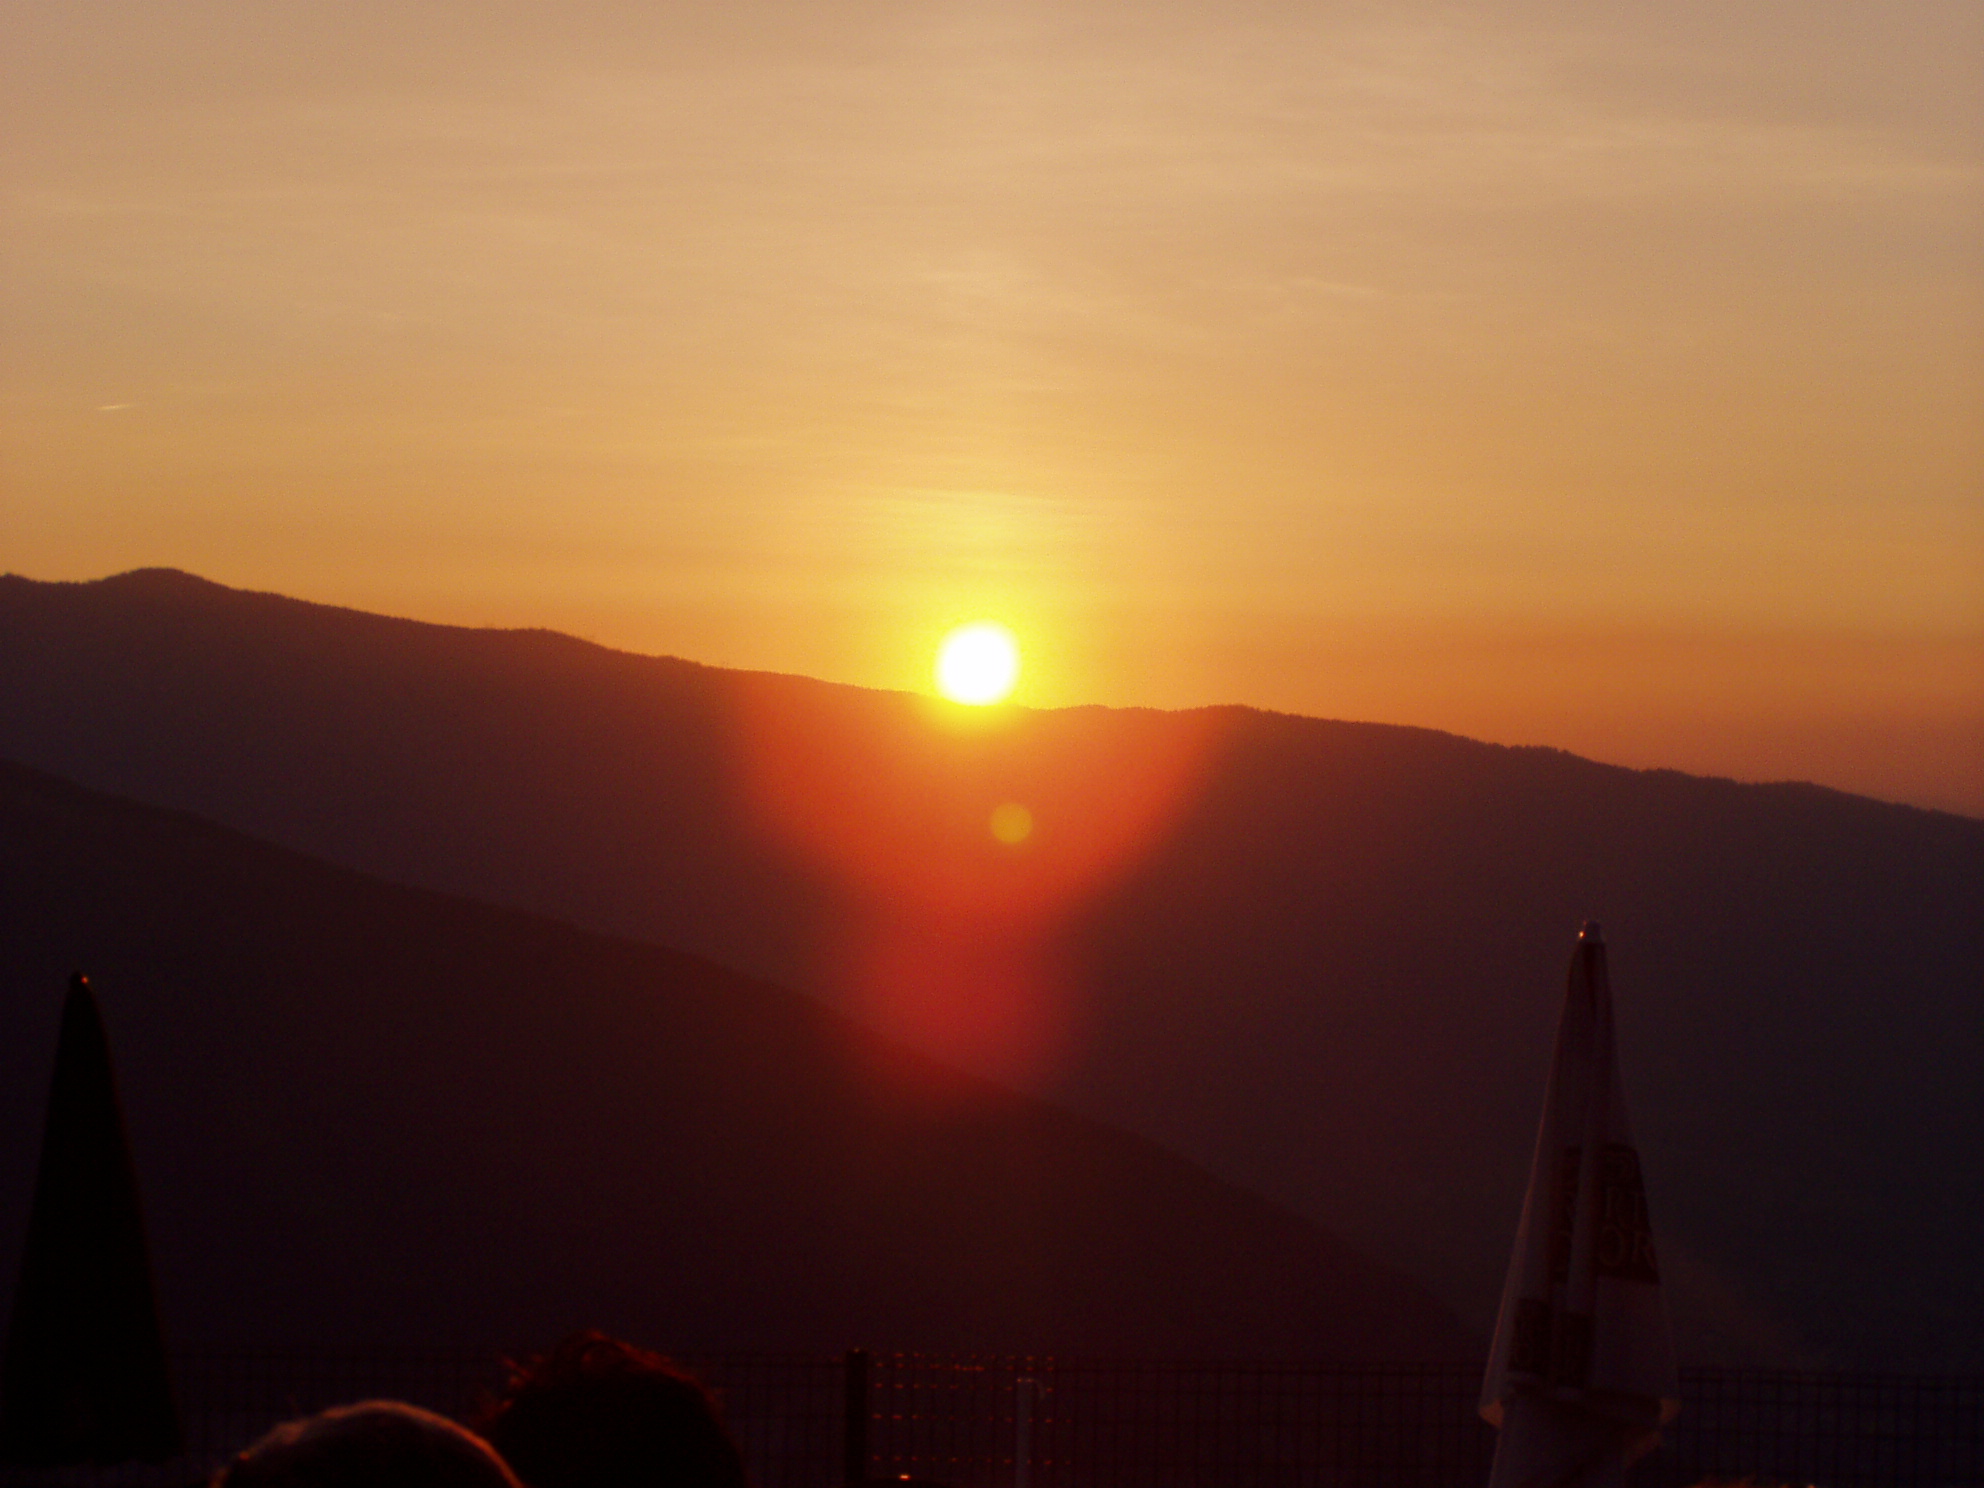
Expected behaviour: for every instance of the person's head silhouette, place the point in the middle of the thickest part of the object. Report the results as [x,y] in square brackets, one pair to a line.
[595,1412]
[376,1444]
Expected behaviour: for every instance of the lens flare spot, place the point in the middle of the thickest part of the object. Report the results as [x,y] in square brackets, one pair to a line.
[978,664]
[1012,823]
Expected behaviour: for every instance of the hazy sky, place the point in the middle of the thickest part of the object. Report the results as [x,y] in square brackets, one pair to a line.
[1601,376]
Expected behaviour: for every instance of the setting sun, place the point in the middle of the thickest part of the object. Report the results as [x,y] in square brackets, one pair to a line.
[978,664]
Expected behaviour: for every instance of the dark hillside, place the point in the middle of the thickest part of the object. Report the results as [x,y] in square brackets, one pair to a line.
[1321,959]
[370,1113]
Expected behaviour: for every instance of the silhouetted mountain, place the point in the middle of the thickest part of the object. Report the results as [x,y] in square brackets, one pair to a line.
[363,1112]
[1321,959]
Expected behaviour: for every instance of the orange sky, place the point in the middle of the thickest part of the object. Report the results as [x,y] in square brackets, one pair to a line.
[1548,373]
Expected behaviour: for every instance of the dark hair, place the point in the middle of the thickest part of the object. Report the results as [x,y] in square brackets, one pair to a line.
[375,1444]
[595,1412]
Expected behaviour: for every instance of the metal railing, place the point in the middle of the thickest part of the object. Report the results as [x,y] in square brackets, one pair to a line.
[817,1421]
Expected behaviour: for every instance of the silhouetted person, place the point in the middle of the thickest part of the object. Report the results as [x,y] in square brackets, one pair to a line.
[84,1374]
[376,1444]
[598,1413]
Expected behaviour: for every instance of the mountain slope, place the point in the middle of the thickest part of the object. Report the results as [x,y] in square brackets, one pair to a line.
[371,1113]
[1321,959]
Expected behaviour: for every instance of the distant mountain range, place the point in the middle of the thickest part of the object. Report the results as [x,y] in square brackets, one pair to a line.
[368,1113]
[1321,960]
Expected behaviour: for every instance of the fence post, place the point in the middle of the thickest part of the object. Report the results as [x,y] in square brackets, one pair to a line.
[854,1420]
[1023,1393]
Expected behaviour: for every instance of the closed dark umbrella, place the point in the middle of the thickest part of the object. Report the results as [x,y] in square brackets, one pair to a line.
[84,1377]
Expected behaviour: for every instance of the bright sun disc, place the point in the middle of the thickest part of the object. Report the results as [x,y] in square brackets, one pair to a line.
[978,664]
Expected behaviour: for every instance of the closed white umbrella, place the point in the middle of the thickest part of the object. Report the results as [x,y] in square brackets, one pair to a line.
[1581,1374]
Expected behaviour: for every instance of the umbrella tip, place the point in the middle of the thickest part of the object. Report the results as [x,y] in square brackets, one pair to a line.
[1591,934]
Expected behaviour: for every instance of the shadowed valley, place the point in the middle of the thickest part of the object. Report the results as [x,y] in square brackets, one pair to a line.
[364,1113]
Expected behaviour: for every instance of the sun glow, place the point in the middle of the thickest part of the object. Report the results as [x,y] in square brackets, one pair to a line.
[1011,823]
[978,664]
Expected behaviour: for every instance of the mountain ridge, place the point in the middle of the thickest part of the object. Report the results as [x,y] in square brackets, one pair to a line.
[155,582]
[1320,959]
